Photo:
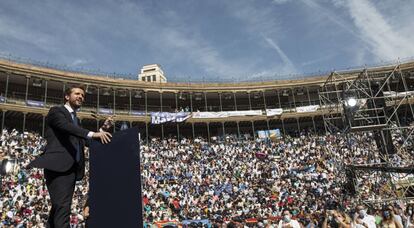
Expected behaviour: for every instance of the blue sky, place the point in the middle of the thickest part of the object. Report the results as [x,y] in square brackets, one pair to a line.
[200,40]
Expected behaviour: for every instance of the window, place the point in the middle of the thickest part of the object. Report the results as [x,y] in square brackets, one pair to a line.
[148,78]
[143,78]
[154,78]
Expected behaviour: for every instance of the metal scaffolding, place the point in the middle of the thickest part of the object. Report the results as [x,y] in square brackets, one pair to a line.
[378,105]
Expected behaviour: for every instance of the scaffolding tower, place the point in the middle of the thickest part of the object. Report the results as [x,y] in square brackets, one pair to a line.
[379,105]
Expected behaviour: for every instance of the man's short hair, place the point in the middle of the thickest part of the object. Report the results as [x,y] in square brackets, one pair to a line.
[286,209]
[69,89]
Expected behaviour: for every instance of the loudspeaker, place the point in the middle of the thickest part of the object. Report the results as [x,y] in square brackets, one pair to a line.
[382,138]
[384,143]
[349,185]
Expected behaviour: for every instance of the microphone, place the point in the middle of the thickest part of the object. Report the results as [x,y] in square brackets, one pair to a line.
[96,115]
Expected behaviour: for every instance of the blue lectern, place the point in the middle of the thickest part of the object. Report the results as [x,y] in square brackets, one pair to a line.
[115,183]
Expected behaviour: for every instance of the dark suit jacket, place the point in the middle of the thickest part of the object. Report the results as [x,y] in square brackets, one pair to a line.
[62,137]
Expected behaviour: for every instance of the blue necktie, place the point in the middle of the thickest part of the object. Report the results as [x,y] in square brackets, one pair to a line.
[75,121]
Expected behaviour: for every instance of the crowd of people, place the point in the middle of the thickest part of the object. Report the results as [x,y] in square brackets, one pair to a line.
[228,182]
[24,200]
[231,179]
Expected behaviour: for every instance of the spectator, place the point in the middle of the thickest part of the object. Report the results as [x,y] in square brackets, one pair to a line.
[334,218]
[362,219]
[388,218]
[287,221]
[309,221]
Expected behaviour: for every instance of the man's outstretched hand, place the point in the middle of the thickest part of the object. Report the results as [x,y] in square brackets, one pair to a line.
[104,136]
[109,122]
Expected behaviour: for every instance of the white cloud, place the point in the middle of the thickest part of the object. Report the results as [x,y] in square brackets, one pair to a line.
[258,19]
[287,62]
[78,35]
[79,62]
[197,50]
[173,40]
[385,39]
[261,22]
[95,36]
[75,37]
[16,31]
[320,59]
[318,9]
[382,39]
[280,1]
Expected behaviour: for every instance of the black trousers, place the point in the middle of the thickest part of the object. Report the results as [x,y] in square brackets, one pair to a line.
[61,187]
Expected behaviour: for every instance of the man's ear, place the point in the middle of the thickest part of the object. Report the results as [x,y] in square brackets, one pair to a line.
[66,98]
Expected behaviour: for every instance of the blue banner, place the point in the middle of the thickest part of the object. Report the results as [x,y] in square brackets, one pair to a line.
[275,133]
[269,134]
[163,117]
[137,113]
[106,111]
[2,99]
[262,134]
[35,103]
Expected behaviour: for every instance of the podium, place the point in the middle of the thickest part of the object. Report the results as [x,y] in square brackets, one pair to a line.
[115,182]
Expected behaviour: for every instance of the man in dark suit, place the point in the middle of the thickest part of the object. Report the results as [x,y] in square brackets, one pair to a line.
[63,159]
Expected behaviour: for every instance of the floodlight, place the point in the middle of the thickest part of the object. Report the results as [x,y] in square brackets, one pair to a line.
[351,102]
[8,166]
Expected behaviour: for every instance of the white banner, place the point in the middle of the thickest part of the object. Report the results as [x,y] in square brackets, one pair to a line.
[205,115]
[274,112]
[310,108]
[245,113]
[398,94]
